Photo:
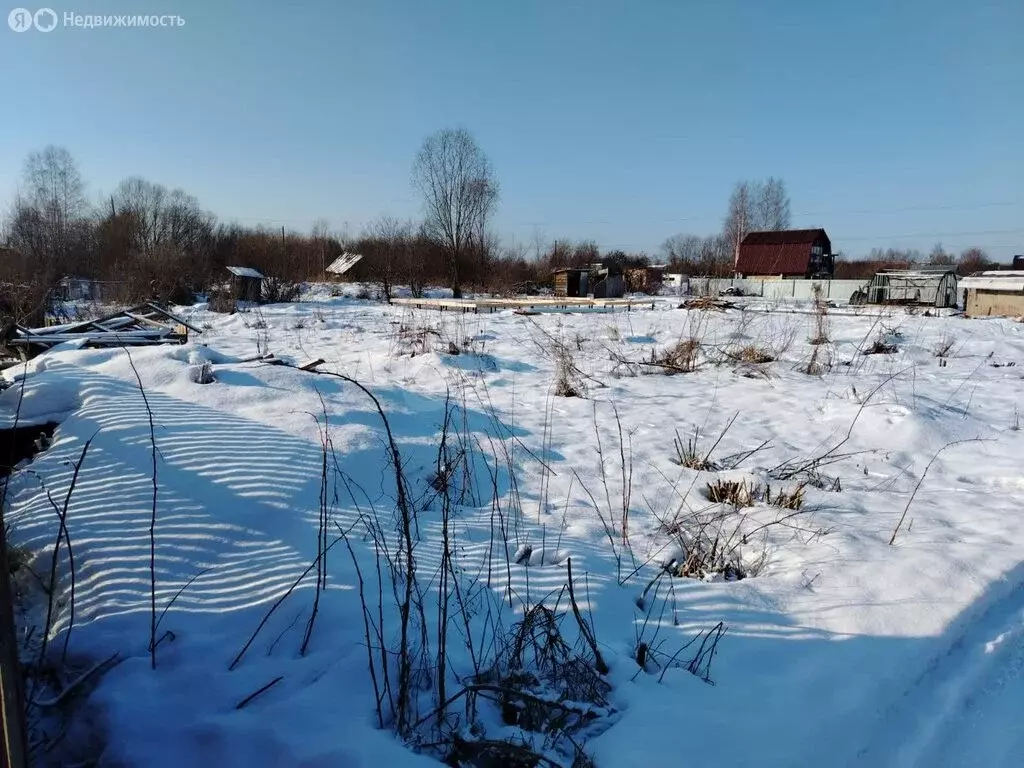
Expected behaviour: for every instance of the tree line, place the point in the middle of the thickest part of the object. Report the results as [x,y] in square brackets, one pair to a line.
[148,241]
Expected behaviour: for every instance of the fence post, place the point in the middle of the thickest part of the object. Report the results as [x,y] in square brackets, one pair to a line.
[14,747]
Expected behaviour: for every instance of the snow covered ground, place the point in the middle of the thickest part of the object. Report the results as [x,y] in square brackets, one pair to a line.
[840,648]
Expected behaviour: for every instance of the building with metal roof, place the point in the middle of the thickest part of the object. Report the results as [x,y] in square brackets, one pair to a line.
[792,253]
[994,294]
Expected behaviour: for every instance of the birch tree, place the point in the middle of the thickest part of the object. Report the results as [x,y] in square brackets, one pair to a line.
[459,191]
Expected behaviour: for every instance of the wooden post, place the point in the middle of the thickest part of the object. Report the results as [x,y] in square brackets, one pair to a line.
[14,746]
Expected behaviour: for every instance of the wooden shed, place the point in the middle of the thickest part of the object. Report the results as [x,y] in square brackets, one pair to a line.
[595,280]
[246,284]
[994,294]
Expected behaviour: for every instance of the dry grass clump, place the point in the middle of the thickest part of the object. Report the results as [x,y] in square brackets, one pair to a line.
[736,493]
[689,455]
[681,357]
[753,354]
[785,499]
[740,493]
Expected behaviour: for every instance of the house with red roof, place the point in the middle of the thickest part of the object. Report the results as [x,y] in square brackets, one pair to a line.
[792,253]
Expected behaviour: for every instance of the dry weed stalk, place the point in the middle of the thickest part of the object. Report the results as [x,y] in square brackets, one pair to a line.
[944,346]
[821,331]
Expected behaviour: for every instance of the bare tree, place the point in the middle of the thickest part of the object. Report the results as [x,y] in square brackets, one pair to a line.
[973,259]
[389,242]
[538,244]
[755,207]
[739,218]
[161,217]
[938,255]
[320,234]
[53,188]
[771,206]
[459,191]
[161,238]
[682,248]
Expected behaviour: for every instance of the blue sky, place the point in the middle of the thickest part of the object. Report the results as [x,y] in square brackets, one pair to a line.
[893,122]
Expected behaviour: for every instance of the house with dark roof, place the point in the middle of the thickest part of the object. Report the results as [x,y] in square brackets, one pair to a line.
[793,253]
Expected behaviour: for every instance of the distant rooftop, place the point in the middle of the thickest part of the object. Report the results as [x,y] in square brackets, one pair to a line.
[245,272]
[344,263]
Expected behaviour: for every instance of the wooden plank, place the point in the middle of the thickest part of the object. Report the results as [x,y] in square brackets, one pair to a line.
[175,318]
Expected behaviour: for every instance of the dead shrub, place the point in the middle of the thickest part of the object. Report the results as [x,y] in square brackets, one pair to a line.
[541,685]
[690,455]
[820,333]
[944,346]
[820,362]
[684,356]
[18,556]
[568,382]
[710,544]
[278,291]
[753,354]
[880,346]
[681,357]
[414,339]
[727,540]
[221,300]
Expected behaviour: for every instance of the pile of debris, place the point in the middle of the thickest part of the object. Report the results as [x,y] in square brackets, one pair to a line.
[141,325]
[707,302]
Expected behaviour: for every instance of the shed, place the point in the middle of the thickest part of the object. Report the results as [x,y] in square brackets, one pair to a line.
[246,283]
[933,286]
[644,279]
[994,293]
[792,253]
[595,280]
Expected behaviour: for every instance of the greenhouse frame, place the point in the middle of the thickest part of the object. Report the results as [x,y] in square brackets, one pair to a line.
[924,286]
